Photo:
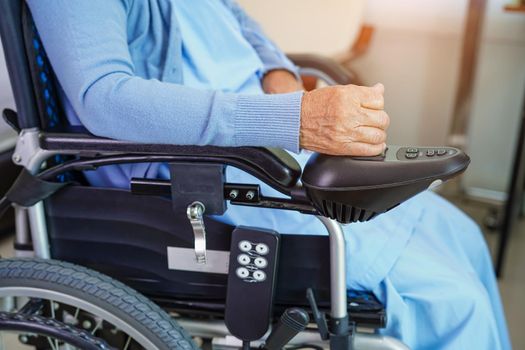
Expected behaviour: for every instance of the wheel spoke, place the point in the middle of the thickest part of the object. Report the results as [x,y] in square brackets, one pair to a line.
[128,341]
[53,347]
[52,306]
[99,323]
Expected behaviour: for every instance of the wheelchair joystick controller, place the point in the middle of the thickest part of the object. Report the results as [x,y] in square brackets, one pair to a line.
[292,321]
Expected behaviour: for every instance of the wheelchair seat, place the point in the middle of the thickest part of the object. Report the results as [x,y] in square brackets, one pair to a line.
[126,236]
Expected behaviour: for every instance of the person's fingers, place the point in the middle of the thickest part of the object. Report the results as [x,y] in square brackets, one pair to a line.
[374,118]
[370,135]
[380,88]
[365,149]
[372,97]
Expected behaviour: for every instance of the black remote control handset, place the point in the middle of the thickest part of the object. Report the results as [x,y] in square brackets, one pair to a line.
[251,280]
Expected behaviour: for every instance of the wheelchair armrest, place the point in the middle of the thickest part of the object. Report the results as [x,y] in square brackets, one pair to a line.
[323,67]
[272,164]
[351,189]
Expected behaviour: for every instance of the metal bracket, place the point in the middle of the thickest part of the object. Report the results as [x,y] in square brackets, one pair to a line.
[195,214]
[28,152]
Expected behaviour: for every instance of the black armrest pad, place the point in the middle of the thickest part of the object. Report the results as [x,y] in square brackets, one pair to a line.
[275,163]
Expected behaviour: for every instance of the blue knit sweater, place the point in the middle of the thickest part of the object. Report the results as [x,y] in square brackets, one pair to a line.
[119,64]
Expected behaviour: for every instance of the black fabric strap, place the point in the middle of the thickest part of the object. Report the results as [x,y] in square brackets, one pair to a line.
[28,189]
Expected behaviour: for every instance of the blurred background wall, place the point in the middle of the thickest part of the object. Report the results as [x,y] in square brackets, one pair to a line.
[497,101]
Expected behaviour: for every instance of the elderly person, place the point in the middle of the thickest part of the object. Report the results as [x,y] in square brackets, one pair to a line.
[203,73]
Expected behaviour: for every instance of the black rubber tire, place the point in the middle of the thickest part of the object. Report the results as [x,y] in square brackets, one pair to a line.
[103,291]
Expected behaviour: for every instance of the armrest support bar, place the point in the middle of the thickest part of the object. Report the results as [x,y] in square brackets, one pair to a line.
[272,164]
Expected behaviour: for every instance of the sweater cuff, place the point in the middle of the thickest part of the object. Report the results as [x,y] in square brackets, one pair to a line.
[269,120]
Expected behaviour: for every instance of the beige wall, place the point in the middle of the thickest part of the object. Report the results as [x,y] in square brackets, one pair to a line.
[320,26]
[497,101]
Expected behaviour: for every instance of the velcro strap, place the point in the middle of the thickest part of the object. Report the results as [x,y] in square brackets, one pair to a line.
[28,189]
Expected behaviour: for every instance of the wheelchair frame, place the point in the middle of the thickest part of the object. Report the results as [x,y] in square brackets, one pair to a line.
[29,154]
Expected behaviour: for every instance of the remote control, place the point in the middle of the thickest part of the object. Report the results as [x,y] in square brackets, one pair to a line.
[251,280]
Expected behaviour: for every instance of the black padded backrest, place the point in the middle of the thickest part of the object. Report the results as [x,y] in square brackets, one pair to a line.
[11,32]
[42,76]
[33,80]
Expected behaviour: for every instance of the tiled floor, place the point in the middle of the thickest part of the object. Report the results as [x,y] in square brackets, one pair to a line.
[512,285]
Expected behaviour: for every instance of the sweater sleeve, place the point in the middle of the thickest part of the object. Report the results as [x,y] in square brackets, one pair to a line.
[86,42]
[271,56]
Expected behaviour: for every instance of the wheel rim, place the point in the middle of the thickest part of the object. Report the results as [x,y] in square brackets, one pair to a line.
[55,296]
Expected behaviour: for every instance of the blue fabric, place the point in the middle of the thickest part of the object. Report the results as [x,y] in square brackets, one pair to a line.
[208,63]
[425,259]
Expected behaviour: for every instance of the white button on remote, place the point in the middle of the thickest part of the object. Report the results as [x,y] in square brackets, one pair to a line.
[245,246]
[243,272]
[262,249]
[259,275]
[244,259]
[261,262]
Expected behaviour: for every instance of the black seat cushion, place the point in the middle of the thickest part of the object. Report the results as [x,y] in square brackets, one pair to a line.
[126,237]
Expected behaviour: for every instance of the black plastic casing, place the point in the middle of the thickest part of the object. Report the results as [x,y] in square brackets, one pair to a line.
[249,305]
[350,190]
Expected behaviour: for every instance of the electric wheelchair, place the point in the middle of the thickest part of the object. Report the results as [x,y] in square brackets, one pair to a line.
[150,268]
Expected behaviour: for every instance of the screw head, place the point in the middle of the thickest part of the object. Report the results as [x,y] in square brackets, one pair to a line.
[23,338]
[233,194]
[250,195]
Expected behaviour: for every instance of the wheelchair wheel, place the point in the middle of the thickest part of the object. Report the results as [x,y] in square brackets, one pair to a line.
[53,301]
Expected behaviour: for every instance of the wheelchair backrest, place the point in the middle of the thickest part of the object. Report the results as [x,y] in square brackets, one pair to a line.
[32,78]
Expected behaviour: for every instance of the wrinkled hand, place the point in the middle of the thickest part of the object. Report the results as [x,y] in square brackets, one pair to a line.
[280,81]
[344,120]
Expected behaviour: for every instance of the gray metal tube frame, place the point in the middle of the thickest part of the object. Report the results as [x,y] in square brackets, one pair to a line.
[31,156]
[361,341]
[338,299]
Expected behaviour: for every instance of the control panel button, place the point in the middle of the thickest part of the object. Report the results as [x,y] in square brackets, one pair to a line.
[259,275]
[411,155]
[242,272]
[430,152]
[441,152]
[260,262]
[262,249]
[245,246]
[243,259]
[412,150]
